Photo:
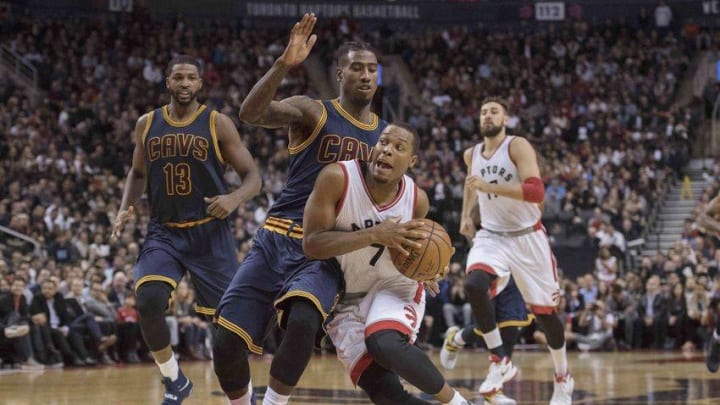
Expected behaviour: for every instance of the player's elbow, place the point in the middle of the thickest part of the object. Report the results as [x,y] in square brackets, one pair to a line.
[533,190]
[312,249]
[248,115]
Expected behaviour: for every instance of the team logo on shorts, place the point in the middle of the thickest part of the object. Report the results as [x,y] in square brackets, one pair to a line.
[411,315]
[556,297]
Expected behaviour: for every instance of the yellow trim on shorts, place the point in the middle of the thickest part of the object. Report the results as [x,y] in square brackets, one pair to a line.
[240,332]
[213,135]
[148,123]
[321,122]
[145,279]
[283,232]
[204,310]
[180,124]
[303,294]
[283,227]
[367,127]
[507,324]
[189,224]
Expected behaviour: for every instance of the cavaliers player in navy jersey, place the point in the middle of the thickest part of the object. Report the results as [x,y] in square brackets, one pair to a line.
[181,151]
[275,276]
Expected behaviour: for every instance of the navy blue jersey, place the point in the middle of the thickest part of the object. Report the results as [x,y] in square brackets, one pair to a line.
[184,165]
[338,136]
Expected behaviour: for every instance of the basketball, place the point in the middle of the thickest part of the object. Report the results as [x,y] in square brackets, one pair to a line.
[425,263]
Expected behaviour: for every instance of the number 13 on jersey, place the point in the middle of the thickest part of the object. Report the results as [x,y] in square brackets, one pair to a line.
[177,179]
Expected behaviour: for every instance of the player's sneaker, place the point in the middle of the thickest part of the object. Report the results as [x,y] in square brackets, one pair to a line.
[501,371]
[713,355]
[563,389]
[499,399]
[176,391]
[450,349]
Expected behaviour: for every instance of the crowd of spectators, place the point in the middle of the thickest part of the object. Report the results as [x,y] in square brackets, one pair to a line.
[597,101]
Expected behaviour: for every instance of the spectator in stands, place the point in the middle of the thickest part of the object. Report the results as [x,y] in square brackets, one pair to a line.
[454,301]
[52,305]
[652,323]
[193,329]
[15,329]
[100,336]
[119,290]
[606,266]
[127,318]
[596,325]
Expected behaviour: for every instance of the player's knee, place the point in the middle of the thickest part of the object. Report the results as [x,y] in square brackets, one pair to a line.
[153,298]
[477,282]
[304,320]
[230,361]
[381,346]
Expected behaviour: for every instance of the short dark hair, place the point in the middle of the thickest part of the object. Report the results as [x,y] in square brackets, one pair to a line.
[496,99]
[183,59]
[409,128]
[352,46]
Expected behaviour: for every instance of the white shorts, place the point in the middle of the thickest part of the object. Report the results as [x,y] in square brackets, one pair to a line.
[394,304]
[528,258]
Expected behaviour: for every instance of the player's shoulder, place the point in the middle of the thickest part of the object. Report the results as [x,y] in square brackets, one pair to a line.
[333,171]
[145,118]
[516,140]
[520,144]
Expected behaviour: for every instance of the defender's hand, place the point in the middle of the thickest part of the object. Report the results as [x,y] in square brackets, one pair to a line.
[301,41]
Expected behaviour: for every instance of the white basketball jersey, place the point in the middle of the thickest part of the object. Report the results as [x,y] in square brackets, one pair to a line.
[357,211]
[498,213]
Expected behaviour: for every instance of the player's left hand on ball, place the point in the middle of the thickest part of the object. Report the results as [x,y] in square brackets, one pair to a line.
[220,206]
[432,286]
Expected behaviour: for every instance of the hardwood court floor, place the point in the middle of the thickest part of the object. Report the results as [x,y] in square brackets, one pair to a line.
[600,378]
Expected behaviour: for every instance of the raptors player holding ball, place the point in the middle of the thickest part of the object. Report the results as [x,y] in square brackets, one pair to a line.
[356,213]
[504,179]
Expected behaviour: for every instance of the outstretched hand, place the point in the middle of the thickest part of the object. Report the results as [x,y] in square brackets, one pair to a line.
[301,41]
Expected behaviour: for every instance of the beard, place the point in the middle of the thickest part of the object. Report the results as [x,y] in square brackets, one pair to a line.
[174,96]
[490,131]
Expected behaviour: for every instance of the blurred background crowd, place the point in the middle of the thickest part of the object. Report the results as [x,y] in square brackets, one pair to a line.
[598,101]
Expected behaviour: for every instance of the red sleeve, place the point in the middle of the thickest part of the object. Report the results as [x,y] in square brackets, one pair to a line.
[533,190]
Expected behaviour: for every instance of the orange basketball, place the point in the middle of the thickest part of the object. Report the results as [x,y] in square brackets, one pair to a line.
[429,260]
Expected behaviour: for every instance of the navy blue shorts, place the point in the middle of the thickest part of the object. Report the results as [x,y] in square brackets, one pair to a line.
[275,271]
[206,251]
[510,309]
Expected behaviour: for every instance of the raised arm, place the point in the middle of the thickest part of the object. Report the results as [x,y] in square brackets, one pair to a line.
[259,108]
[135,181]
[322,241]
[531,188]
[239,158]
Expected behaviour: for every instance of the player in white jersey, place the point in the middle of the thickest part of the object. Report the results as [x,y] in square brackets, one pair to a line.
[504,180]
[709,221]
[356,213]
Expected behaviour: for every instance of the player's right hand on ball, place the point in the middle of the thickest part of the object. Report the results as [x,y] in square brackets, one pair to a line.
[398,236]
[301,41]
[120,220]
